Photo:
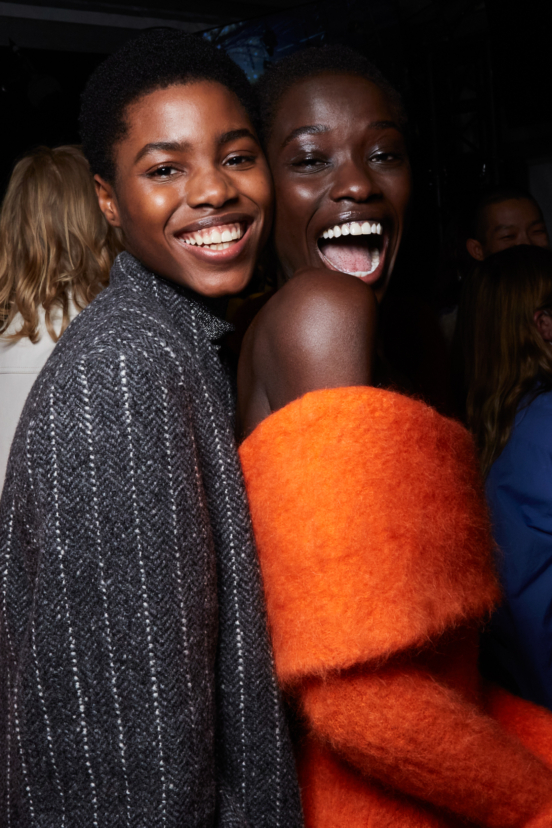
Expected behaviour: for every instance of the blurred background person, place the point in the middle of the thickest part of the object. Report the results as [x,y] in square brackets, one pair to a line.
[505,217]
[56,250]
[509,410]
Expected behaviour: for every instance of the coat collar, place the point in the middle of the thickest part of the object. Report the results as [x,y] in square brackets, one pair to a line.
[175,298]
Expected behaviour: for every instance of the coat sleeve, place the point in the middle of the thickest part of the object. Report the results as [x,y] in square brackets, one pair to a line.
[403,726]
[519,488]
[110,603]
[375,548]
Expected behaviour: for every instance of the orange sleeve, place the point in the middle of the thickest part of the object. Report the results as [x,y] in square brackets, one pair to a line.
[399,725]
[371,526]
[374,543]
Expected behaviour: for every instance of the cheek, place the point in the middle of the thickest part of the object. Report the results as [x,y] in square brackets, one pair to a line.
[399,195]
[148,207]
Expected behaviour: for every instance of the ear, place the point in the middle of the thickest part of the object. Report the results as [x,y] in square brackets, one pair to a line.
[475,249]
[107,201]
[543,321]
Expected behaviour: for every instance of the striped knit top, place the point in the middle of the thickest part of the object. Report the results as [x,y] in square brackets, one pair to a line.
[136,677]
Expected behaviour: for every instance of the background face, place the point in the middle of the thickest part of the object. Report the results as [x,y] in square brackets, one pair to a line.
[341,176]
[193,192]
[512,222]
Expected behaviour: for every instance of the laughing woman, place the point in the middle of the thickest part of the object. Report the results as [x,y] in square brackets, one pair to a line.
[367,506]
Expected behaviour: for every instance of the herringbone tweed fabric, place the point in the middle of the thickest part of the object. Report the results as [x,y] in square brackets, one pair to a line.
[136,684]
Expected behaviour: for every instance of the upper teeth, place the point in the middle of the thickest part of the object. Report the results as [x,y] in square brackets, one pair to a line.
[353,228]
[223,233]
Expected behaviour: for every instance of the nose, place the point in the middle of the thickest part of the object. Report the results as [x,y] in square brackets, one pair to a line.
[210,187]
[523,237]
[354,181]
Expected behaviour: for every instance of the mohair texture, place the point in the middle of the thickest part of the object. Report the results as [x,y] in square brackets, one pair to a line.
[376,556]
[136,676]
[373,507]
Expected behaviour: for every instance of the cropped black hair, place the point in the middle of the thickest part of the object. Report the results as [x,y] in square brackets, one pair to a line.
[496,195]
[318,60]
[156,59]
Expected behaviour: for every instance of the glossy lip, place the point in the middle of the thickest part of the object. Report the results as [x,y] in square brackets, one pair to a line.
[232,252]
[215,221]
[360,216]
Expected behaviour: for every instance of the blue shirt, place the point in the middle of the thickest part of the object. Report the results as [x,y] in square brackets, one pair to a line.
[519,492]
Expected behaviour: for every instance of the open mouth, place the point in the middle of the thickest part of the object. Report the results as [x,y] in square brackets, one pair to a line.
[354,247]
[220,237]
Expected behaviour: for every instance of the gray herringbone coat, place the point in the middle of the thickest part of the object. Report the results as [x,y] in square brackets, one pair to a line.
[136,679]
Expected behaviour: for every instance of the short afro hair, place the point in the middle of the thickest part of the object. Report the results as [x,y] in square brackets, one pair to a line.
[319,60]
[156,59]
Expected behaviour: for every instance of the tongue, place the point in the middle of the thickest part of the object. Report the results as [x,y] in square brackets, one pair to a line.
[347,257]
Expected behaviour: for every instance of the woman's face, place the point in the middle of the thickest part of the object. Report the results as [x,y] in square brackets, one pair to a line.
[193,193]
[342,178]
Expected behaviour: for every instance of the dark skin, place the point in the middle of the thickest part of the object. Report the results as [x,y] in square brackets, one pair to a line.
[316,332]
[183,175]
[337,155]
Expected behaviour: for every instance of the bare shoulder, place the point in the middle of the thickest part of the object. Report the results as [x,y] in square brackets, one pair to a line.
[317,332]
[314,299]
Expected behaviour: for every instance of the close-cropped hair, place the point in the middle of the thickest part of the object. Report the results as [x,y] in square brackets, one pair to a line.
[319,60]
[55,244]
[512,364]
[477,228]
[157,59]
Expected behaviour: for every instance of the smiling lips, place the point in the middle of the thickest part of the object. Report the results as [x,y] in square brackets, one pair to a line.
[220,237]
[342,249]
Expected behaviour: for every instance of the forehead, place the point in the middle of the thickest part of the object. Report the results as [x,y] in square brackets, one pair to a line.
[182,108]
[334,100]
[515,212]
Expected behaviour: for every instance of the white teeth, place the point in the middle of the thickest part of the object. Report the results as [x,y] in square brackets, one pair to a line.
[353,228]
[216,238]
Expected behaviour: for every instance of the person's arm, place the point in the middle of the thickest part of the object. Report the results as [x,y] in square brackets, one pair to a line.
[519,488]
[116,655]
[402,725]
[317,332]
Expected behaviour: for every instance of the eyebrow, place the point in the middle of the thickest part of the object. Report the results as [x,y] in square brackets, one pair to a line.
[234,134]
[182,146]
[316,129]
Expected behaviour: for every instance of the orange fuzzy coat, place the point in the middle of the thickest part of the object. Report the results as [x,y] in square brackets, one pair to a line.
[376,557]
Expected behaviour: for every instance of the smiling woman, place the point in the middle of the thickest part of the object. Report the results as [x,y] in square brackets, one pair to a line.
[334,131]
[192,193]
[136,676]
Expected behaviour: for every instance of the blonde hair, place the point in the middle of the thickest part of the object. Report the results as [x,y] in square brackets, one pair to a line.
[55,244]
[510,361]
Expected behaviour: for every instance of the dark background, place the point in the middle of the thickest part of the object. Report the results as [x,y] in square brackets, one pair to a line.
[476,76]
